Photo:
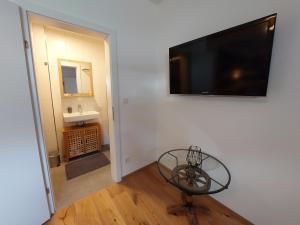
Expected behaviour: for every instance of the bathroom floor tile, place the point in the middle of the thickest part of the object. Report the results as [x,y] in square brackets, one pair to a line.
[68,191]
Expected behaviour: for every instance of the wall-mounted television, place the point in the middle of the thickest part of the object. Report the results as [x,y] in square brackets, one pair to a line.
[235,61]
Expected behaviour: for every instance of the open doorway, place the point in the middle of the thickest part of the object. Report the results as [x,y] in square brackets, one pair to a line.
[72,74]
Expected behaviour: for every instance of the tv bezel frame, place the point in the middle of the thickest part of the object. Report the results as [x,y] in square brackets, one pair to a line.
[244,25]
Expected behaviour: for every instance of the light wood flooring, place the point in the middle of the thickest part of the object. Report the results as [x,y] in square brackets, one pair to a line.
[140,199]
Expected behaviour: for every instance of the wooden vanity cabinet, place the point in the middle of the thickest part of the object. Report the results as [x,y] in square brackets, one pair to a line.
[80,140]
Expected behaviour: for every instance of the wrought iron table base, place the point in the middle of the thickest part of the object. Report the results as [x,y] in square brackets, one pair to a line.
[188,208]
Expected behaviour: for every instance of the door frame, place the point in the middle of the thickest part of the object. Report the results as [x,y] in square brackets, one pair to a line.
[112,78]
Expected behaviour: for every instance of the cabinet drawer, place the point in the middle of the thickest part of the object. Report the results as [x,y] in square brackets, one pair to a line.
[92,139]
[75,140]
[74,143]
[91,147]
[92,135]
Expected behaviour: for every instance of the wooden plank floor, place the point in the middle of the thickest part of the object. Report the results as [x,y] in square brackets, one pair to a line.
[140,199]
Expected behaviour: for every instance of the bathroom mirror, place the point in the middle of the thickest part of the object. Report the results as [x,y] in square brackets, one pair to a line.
[76,78]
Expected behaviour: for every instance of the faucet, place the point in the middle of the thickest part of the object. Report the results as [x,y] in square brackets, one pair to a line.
[79,108]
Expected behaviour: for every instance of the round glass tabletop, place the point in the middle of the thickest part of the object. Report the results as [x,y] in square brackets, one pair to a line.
[193,171]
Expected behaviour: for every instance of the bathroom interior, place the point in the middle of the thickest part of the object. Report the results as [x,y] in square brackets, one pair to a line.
[71,69]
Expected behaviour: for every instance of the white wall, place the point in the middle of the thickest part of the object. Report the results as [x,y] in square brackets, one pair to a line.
[257,138]
[134,22]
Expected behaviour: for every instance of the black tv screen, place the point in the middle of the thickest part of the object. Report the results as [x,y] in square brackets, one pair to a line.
[231,62]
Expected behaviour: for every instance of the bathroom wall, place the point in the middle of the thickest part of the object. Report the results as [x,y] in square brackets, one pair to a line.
[69,45]
[73,46]
[44,87]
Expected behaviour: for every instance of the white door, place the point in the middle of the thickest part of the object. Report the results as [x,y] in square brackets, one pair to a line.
[23,198]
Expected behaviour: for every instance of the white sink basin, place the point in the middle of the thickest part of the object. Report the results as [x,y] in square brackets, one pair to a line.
[77,117]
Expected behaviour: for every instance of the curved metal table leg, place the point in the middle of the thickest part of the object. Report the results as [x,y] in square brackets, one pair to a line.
[188,208]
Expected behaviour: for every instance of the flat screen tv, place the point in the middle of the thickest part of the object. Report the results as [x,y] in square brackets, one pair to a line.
[235,61]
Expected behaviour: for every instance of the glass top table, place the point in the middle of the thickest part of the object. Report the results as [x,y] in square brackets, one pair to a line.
[193,171]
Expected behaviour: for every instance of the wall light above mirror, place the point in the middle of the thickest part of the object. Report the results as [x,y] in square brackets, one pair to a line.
[76,78]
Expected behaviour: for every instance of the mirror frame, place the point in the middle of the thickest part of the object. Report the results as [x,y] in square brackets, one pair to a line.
[59,62]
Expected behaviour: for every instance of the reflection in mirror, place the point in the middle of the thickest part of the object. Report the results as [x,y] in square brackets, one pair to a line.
[76,78]
[69,79]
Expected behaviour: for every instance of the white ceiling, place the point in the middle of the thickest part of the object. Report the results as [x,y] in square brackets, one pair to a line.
[156,1]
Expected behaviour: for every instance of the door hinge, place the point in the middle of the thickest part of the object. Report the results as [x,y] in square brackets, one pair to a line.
[47,190]
[113,113]
[26,44]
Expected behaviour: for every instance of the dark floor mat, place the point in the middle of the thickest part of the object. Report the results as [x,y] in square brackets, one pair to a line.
[86,164]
